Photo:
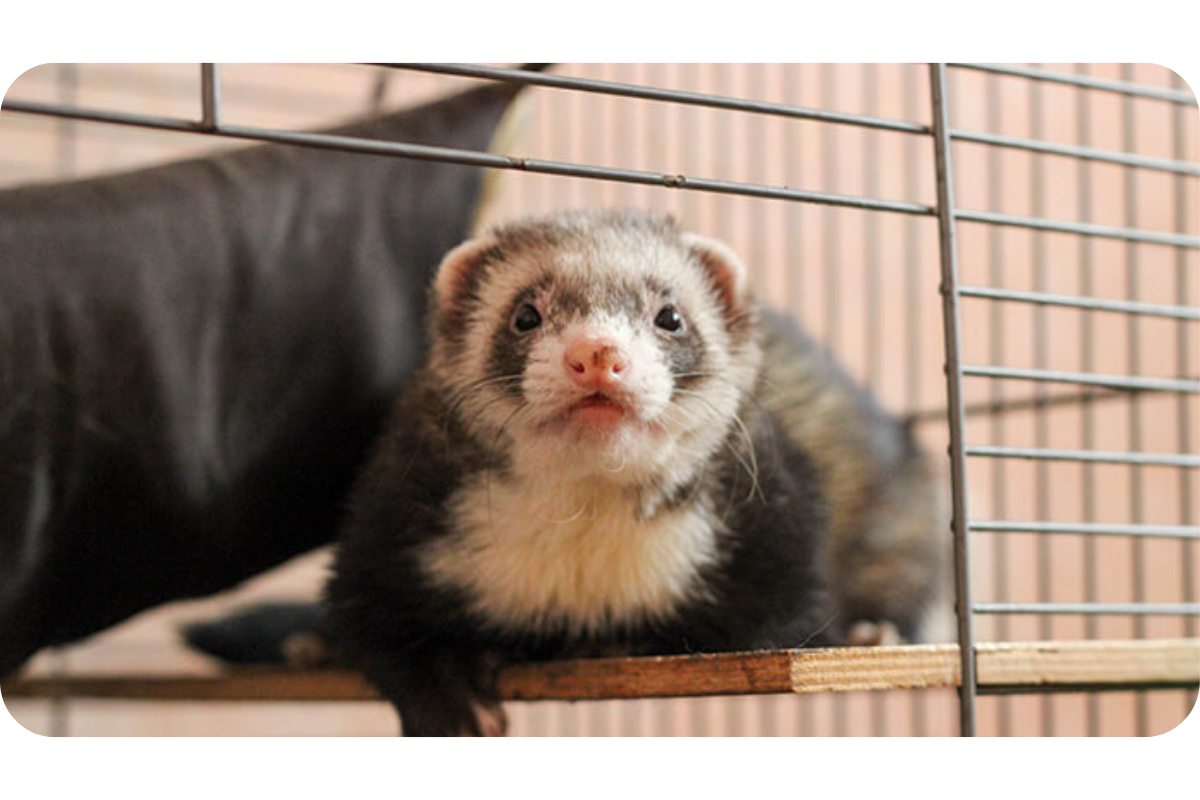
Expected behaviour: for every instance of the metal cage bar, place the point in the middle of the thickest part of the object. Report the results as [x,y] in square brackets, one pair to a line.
[528,78]
[954,385]
[1036,145]
[468,157]
[1180,96]
[210,97]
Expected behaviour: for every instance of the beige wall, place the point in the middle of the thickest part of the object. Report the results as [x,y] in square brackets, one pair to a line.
[866,282]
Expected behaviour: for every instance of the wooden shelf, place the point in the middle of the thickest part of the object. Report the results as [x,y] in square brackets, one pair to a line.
[1016,666]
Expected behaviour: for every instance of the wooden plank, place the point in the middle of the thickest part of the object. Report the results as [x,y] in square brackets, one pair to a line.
[267,684]
[1031,665]
[1093,662]
[765,672]
[852,669]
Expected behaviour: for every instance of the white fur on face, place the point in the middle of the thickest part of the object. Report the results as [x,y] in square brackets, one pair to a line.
[667,436]
[545,436]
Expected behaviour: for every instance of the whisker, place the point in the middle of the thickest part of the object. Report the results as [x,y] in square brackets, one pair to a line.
[624,461]
[490,472]
[818,631]
[708,374]
[751,467]
[468,422]
[462,395]
[577,515]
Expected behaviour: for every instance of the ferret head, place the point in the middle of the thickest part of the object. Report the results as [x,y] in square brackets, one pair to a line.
[600,344]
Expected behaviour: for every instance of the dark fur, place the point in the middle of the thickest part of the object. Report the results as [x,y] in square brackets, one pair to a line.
[427,654]
[194,360]
[842,527]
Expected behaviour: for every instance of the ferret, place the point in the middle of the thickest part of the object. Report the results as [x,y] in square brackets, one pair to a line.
[612,450]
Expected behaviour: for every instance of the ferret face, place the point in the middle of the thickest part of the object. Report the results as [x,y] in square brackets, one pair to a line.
[595,345]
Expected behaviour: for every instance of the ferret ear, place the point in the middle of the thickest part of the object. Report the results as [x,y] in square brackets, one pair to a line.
[724,268]
[459,272]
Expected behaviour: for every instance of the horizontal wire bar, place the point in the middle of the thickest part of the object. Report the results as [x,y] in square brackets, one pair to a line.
[1091,456]
[992,408]
[1075,151]
[1134,609]
[1082,228]
[1086,303]
[1180,96]
[469,157]
[1087,528]
[1084,378]
[527,78]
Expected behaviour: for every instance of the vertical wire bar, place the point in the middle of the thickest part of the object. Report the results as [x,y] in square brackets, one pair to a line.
[831,239]
[379,90]
[1183,341]
[724,210]
[872,335]
[793,139]
[997,422]
[831,232]
[950,322]
[691,200]
[1041,469]
[756,143]
[912,321]
[66,130]
[567,192]
[1182,354]
[912,282]
[630,719]
[1087,412]
[802,704]
[210,97]
[767,707]
[1132,252]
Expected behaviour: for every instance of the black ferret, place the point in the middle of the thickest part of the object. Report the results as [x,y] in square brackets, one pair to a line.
[196,358]
[612,450]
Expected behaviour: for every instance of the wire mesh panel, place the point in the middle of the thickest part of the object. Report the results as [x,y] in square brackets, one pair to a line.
[1072,192]
[1066,269]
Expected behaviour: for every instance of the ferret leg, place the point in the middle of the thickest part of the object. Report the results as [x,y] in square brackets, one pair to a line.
[440,694]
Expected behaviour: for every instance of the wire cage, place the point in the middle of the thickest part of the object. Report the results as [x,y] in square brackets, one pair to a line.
[1008,255]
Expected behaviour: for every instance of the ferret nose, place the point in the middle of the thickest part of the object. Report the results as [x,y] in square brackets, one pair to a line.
[594,363]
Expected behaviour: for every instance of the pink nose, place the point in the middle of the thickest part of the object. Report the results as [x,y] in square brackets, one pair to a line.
[594,363]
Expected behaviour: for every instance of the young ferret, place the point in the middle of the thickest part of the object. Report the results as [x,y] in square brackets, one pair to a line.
[613,450]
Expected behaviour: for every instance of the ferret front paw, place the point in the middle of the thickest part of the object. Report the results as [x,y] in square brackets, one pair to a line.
[442,694]
[446,716]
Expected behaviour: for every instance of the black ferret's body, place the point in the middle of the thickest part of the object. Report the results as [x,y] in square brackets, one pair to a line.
[196,358]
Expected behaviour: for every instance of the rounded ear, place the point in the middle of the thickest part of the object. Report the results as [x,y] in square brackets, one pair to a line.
[459,272]
[723,266]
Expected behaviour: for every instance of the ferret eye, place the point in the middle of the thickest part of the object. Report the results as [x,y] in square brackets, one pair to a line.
[526,319]
[668,319]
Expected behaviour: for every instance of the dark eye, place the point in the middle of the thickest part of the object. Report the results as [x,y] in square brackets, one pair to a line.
[668,319]
[526,319]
